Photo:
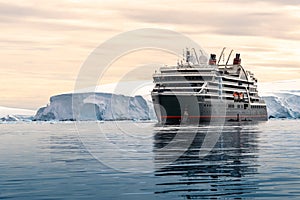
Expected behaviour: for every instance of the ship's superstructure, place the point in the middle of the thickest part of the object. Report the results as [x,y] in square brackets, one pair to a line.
[196,91]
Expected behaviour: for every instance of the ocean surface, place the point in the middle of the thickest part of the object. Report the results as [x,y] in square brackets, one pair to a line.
[140,160]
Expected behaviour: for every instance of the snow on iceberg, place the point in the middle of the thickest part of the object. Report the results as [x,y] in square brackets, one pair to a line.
[94,106]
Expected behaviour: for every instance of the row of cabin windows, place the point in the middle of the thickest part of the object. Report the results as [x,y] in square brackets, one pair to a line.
[235,81]
[242,106]
[233,86]
[194,78]
[253,100]
[180,85]
[181,78]
[237,106]
[230,106]
[177,70]
[186,71]
[257,107]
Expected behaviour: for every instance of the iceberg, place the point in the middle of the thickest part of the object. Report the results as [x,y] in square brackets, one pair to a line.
[283,104]
[282,98]
[95,106]
[15,114]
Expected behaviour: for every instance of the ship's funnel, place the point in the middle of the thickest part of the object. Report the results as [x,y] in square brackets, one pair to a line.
[212,60]
[237,59]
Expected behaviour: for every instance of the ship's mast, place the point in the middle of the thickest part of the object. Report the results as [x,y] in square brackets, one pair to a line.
[228,58]
[221,55]
[196,55]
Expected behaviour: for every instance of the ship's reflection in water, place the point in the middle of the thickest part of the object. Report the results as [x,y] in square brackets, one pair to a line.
[225,171]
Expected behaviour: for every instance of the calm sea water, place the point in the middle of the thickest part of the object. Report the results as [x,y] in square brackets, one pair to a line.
[128,160]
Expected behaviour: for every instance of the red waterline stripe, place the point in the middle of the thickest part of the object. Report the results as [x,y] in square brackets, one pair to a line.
[241,116]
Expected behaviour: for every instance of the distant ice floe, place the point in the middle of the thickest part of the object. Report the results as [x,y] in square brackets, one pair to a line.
[15,114]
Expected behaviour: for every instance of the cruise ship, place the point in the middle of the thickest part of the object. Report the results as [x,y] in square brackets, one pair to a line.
[200,90]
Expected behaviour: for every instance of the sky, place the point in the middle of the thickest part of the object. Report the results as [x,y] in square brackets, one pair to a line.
[44,43]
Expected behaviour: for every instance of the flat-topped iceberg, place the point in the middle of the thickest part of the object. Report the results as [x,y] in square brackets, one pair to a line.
[95,106]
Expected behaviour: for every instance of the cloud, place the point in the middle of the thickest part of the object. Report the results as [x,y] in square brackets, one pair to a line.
[250,20]
[68,17]
[282,2]
[13,11]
